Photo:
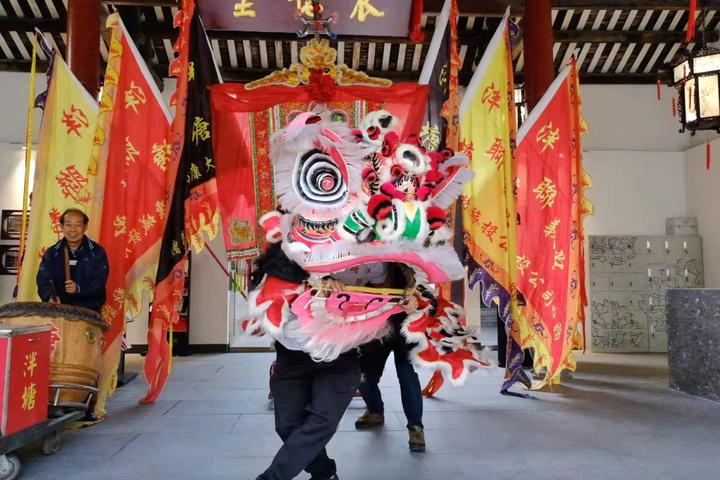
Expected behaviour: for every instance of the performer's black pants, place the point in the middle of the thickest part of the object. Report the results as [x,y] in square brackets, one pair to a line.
[373,357]
[310,400]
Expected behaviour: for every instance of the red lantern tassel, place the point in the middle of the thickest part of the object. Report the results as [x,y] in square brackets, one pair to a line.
[674,107]
[707,156]
[417,35]
[690,34]
[658,90]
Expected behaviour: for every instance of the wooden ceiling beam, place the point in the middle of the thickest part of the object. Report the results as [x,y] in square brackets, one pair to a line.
[50,25]
[618,36]
[165,30]
[249,74]
[144,3]
[496,8]
[484,8]
[627,5]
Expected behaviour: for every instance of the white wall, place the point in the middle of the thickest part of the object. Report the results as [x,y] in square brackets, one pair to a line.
[209,297]
[629,117]
[634,191]
[703,200]
[208,302]
[14,97]
[12,164]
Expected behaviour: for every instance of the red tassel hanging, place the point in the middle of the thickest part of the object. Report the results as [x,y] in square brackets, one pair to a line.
[690,34]
[707,156]
[417,35]
[674,107]
[659,86]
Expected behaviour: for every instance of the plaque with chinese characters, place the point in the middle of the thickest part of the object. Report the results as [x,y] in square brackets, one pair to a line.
[390,18]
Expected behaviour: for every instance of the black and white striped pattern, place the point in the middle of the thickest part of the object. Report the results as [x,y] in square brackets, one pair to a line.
[244,56]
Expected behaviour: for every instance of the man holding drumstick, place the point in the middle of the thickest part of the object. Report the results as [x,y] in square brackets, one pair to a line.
[74,271]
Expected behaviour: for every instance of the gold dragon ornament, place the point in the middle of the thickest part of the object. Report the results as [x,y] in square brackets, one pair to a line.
[317,60]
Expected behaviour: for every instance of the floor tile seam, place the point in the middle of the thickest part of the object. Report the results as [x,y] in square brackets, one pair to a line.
[125,445]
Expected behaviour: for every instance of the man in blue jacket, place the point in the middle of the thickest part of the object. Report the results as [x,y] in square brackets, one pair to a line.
[84,260]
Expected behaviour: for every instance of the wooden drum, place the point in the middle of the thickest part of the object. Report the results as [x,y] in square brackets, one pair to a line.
[76,343]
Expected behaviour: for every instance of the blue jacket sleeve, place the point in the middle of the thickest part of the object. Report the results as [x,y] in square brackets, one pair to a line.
[43,278]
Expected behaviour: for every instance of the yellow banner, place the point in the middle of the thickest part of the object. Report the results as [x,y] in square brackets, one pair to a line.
[61,179]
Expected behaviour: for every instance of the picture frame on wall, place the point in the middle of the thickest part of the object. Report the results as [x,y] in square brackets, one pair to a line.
[9,259]
[11,224]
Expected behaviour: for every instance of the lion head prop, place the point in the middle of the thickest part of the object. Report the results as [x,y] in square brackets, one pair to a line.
[350,198]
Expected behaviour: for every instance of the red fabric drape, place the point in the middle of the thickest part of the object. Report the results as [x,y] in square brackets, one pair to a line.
[241,141]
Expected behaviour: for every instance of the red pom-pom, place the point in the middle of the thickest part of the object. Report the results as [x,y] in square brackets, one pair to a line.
[391,191]
[390,144]
[436,217]
[379,207]
[423,193]
[373,133]
[433,176]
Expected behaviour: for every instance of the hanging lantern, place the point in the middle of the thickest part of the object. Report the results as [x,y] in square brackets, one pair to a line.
[696,76]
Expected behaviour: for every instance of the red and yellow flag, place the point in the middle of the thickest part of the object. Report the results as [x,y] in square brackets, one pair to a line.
[134,163]
[61,179]
[487,136]
[551,208]
[194,207]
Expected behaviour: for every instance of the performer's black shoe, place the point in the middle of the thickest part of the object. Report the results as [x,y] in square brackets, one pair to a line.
[334,477]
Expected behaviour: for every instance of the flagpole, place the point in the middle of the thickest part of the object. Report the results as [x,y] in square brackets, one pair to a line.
[441,25]
[28,153]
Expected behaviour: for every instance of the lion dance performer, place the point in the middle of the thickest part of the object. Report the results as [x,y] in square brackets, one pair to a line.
[349,199]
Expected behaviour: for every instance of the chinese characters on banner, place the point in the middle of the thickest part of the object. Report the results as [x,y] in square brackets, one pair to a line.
[134,164]
[390,18]
[551,207]
[193,209]
[487,131]
[61,178]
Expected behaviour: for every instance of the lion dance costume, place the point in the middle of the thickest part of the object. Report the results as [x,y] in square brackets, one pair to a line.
[354,197]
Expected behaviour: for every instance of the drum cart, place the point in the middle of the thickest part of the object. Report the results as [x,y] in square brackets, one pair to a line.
[49,369]
[48,431]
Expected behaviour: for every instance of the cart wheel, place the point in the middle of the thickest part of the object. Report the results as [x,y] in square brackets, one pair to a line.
[51,443]
[9,467]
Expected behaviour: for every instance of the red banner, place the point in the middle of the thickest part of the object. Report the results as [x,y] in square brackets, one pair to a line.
[551,207]
[139,161]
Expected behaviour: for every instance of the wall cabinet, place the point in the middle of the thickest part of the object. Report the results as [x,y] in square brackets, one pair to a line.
[628,278]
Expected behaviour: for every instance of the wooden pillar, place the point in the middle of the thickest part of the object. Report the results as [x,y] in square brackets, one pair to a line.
[83,42]
[538,47]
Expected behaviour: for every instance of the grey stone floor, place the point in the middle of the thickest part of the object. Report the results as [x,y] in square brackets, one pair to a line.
[614,419]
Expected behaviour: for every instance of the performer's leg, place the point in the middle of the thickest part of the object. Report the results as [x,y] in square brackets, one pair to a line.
[410,390]
[332,387]
[291,387]
[373,357]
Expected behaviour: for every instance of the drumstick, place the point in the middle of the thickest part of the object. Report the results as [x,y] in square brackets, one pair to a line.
[67,265]
[53,292]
